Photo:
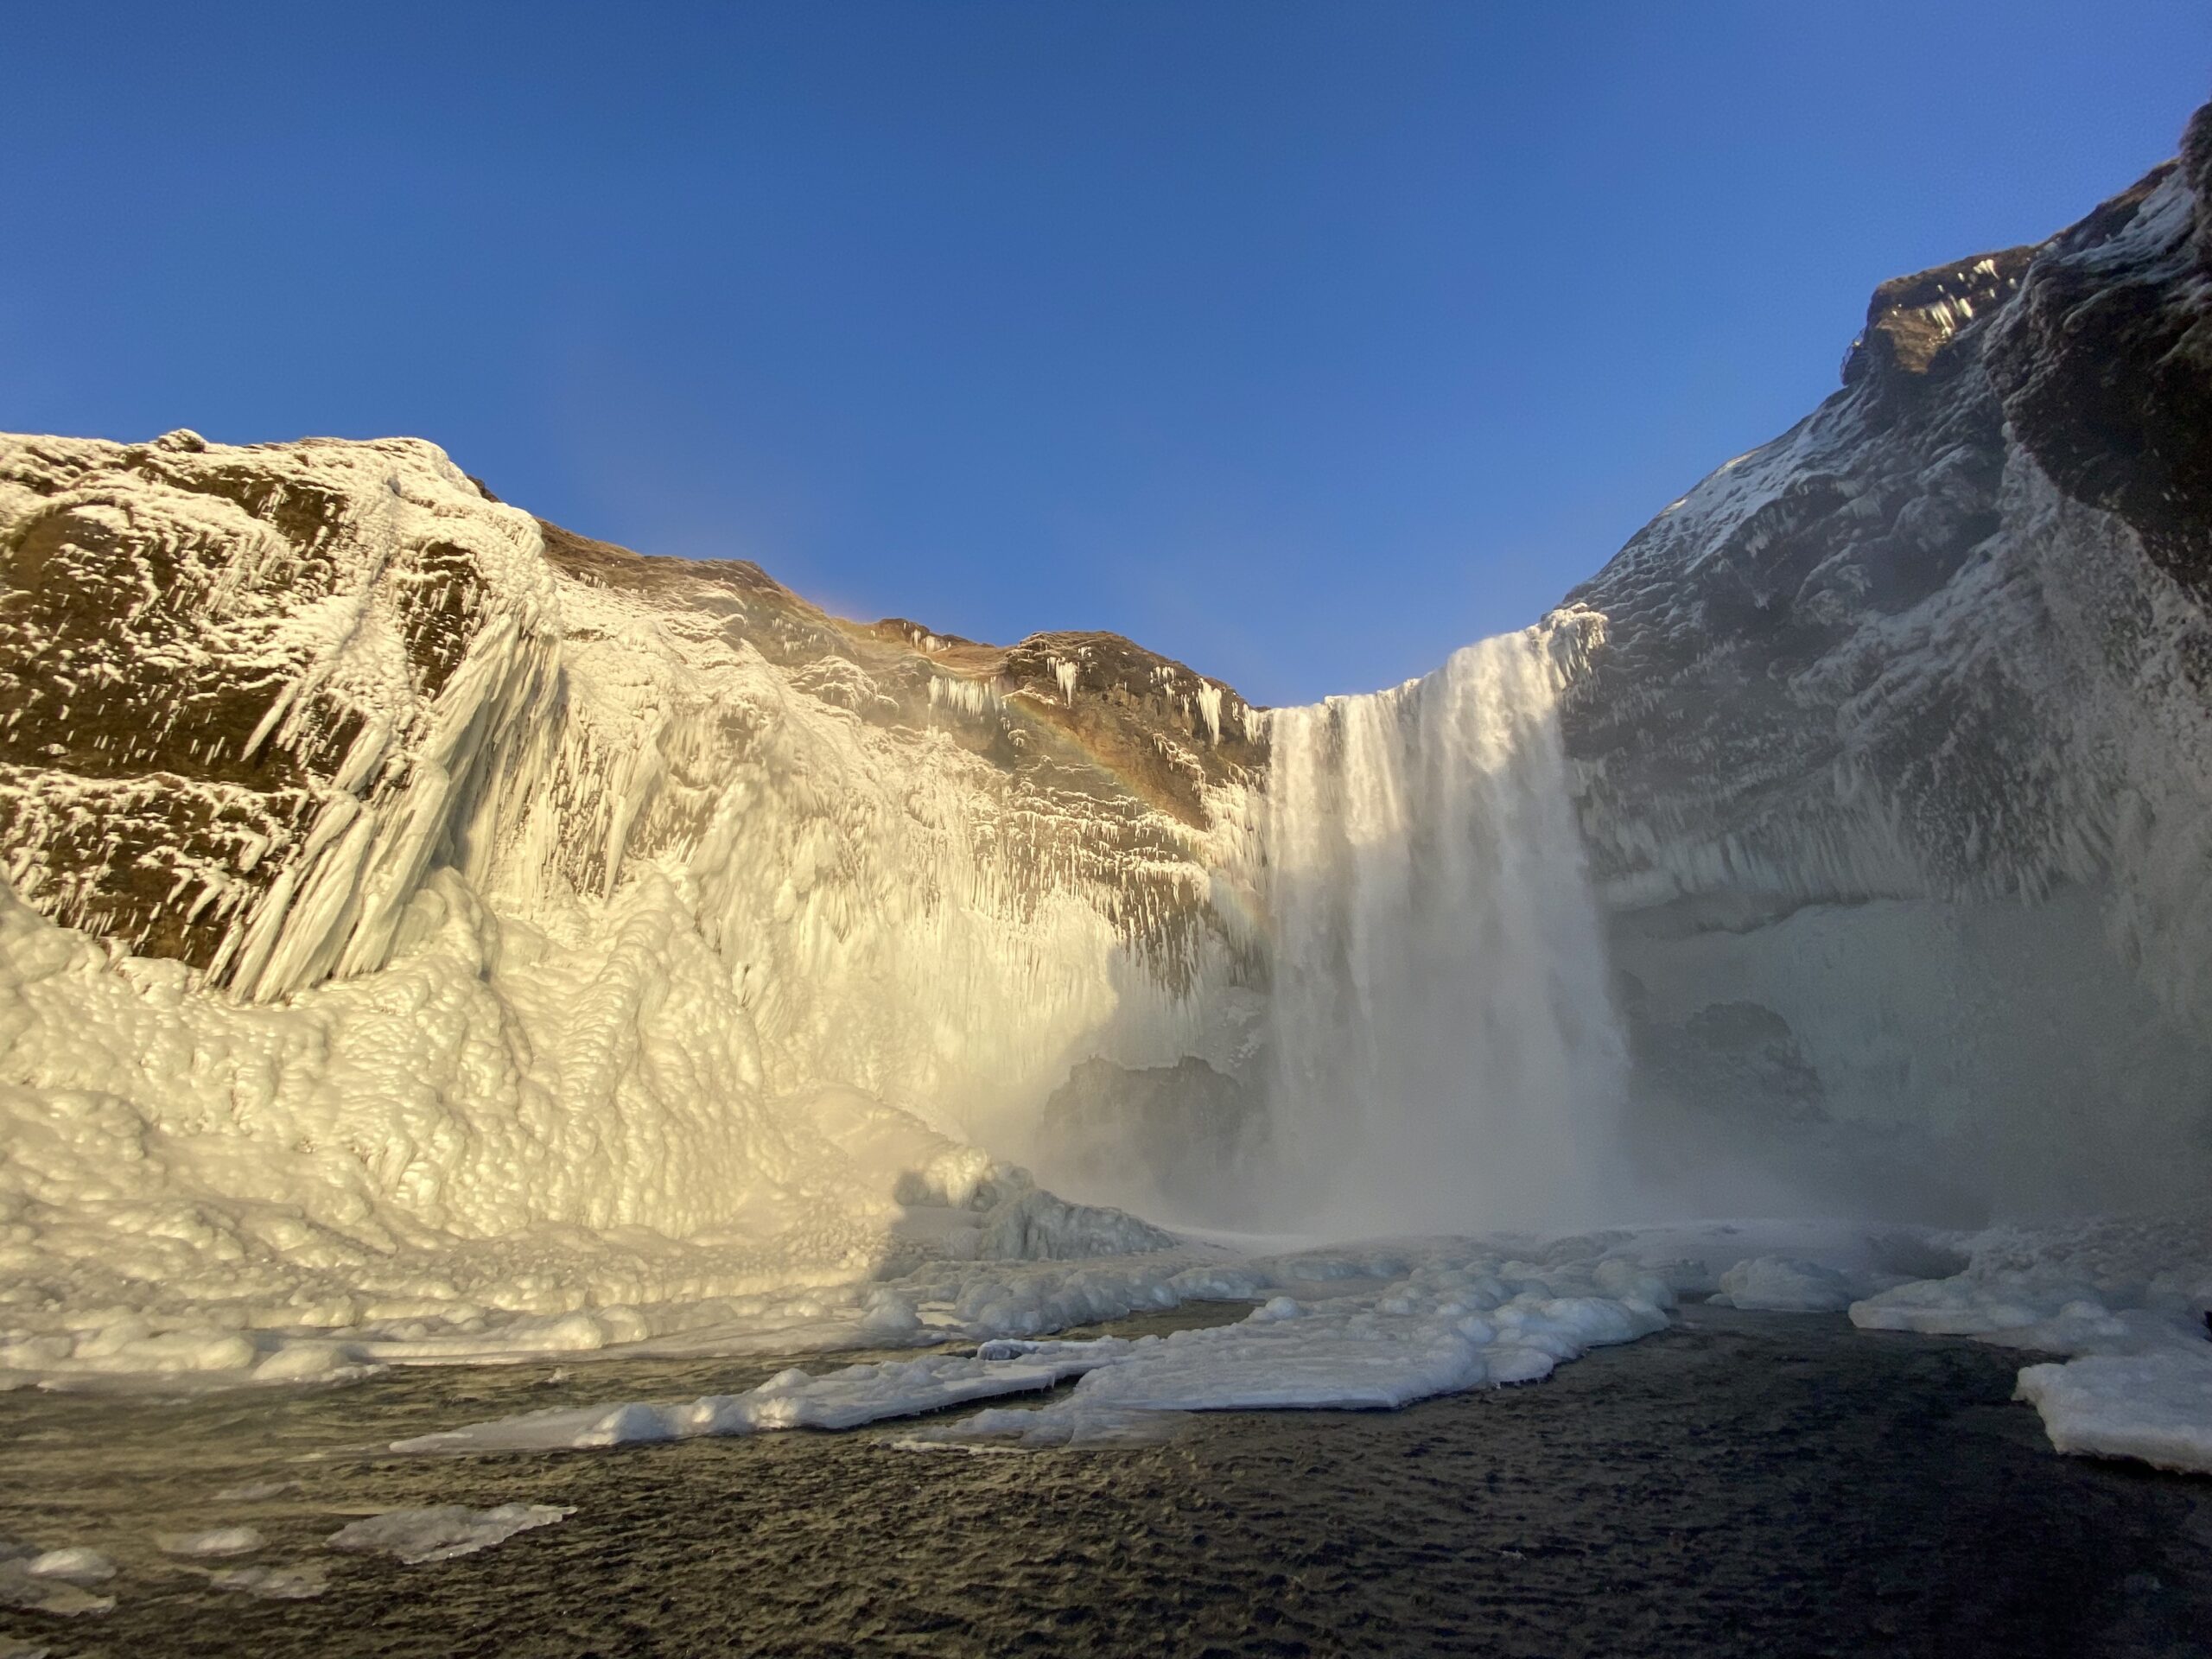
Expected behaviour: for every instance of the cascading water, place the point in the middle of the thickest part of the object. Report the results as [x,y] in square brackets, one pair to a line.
[1446,1054]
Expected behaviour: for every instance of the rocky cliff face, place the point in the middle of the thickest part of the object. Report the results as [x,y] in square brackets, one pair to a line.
[1896,764]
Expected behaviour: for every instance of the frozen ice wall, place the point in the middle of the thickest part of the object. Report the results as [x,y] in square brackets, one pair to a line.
[1444,1052]
[410,911]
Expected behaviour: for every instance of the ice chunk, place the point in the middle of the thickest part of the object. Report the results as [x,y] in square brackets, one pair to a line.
[33,1592]
[2156,1406]
[444,1533]
[217,1541]
[301,1583]
[793,1399]
[1460,1317]
[1784,1286]
[75,1566]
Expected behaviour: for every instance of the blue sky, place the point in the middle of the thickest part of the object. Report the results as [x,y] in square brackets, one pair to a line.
[1303,342]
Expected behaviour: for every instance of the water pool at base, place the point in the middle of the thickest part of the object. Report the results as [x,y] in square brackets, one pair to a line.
[1741,1483]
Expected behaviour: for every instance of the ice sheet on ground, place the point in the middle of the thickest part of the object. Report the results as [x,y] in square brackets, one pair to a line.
[77,1565]
[28,1590]
[301,1583]
[444,1533]
[792,1399]
[217,1541]
[2125,1297]
[1459,1316]
[2156,1407]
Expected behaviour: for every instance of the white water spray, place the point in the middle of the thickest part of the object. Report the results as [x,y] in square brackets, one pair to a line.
[1446,1052]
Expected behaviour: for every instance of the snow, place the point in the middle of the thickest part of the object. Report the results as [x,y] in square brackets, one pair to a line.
[2125,1296]
[257,1241]
[623,985]
[444,1533]
[1459,1317]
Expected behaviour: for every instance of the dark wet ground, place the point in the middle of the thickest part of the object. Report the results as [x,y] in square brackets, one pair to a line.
[1752,1484]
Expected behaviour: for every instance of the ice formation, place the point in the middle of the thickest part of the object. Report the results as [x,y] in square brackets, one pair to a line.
[2154,1407]
[441,1534]
[53,1580]
[216,1541]
[1380,1327]
[459,941]
[2126,1297]
[273,1583]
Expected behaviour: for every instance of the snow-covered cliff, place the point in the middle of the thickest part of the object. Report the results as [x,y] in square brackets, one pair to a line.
[396,878]
[1897,763]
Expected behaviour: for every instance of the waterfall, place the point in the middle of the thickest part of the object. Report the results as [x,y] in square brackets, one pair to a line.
[1443,1051]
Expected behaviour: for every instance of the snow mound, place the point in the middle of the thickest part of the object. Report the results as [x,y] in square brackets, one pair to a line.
[444,1533]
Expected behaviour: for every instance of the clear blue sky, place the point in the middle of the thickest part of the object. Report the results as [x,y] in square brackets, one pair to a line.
[1303,342]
